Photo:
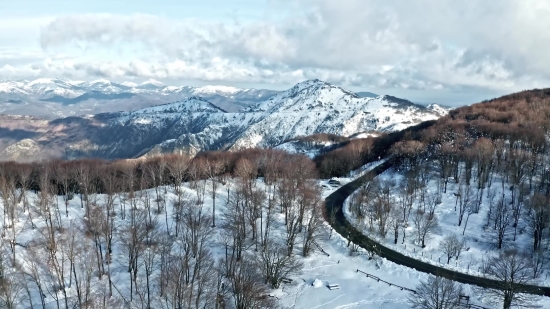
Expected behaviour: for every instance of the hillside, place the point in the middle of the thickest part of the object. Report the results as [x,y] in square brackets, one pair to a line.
[519,120]
[195,124]
[469,193]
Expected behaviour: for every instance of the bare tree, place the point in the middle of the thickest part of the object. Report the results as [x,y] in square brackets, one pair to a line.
[465,198]
[83,176]
[213,168]
[538,263]
[247,288]
[424,226]
[253,202]
[501,219]
[133,237]
[452,247]
[313,222]
[380,204]
[396,222]
[178,167]
[10,210]
[436,293]
[538,217]
[512,270]
[235,227]
[276,264]
[266,221]
[152,169]
[197,232]
[11,285]
[189,282]
[130,179]
[432,200]
[149,257]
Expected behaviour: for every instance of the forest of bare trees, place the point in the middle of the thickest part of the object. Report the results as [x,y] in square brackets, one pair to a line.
[128,233]
[495,153]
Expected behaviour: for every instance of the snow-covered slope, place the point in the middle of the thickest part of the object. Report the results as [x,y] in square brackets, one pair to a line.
[318,107]
[26,148]
[439,109]
[54,97]
[195,124]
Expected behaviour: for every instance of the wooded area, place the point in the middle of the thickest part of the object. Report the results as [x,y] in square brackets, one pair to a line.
[177,252]
[496,154]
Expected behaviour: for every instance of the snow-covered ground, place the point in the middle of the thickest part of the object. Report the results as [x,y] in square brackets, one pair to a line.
[356,289]
[309,149]
[480,240]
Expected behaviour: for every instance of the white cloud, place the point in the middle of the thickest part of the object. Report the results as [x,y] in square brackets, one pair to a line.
[428,45]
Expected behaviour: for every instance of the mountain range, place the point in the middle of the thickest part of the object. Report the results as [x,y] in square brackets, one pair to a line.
[53,98]
[195,124]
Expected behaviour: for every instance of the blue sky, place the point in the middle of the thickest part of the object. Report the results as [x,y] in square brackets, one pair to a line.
[175,8]
[444,51]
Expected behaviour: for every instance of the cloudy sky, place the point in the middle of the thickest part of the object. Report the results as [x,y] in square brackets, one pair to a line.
[443,51]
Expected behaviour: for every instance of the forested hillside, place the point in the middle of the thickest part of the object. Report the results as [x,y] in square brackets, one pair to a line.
[470,192]
[169,231]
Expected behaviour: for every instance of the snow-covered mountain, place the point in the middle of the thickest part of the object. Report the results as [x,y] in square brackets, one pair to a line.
[195,124]
[53,97]
[319,107]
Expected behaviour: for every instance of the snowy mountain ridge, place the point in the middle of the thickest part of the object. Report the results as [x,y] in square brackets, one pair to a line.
[54,97]
[315,106]
[195,123]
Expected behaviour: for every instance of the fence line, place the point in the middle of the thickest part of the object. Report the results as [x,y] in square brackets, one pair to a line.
[467,306]
[319,247]
[389,283]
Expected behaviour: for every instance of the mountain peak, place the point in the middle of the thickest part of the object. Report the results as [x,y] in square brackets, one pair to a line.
[129,84]
[152,83]
[400,102]
[311,82]
[308,95]
[43,81]
[188,105]
[438,109]
[211,89]
[100,81]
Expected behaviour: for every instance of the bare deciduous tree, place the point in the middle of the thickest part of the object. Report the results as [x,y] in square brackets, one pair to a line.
[538,217]
[424,226]
[313,223]
[436,293]
[512,269]
[247,287]
[276,264]
[501,219]
[213,169]
[452,247]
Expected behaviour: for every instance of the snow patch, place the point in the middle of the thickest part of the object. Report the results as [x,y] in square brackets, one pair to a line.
[317,283]
[217,90]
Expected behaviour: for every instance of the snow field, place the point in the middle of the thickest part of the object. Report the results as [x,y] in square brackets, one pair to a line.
[480,240]
[356,289]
